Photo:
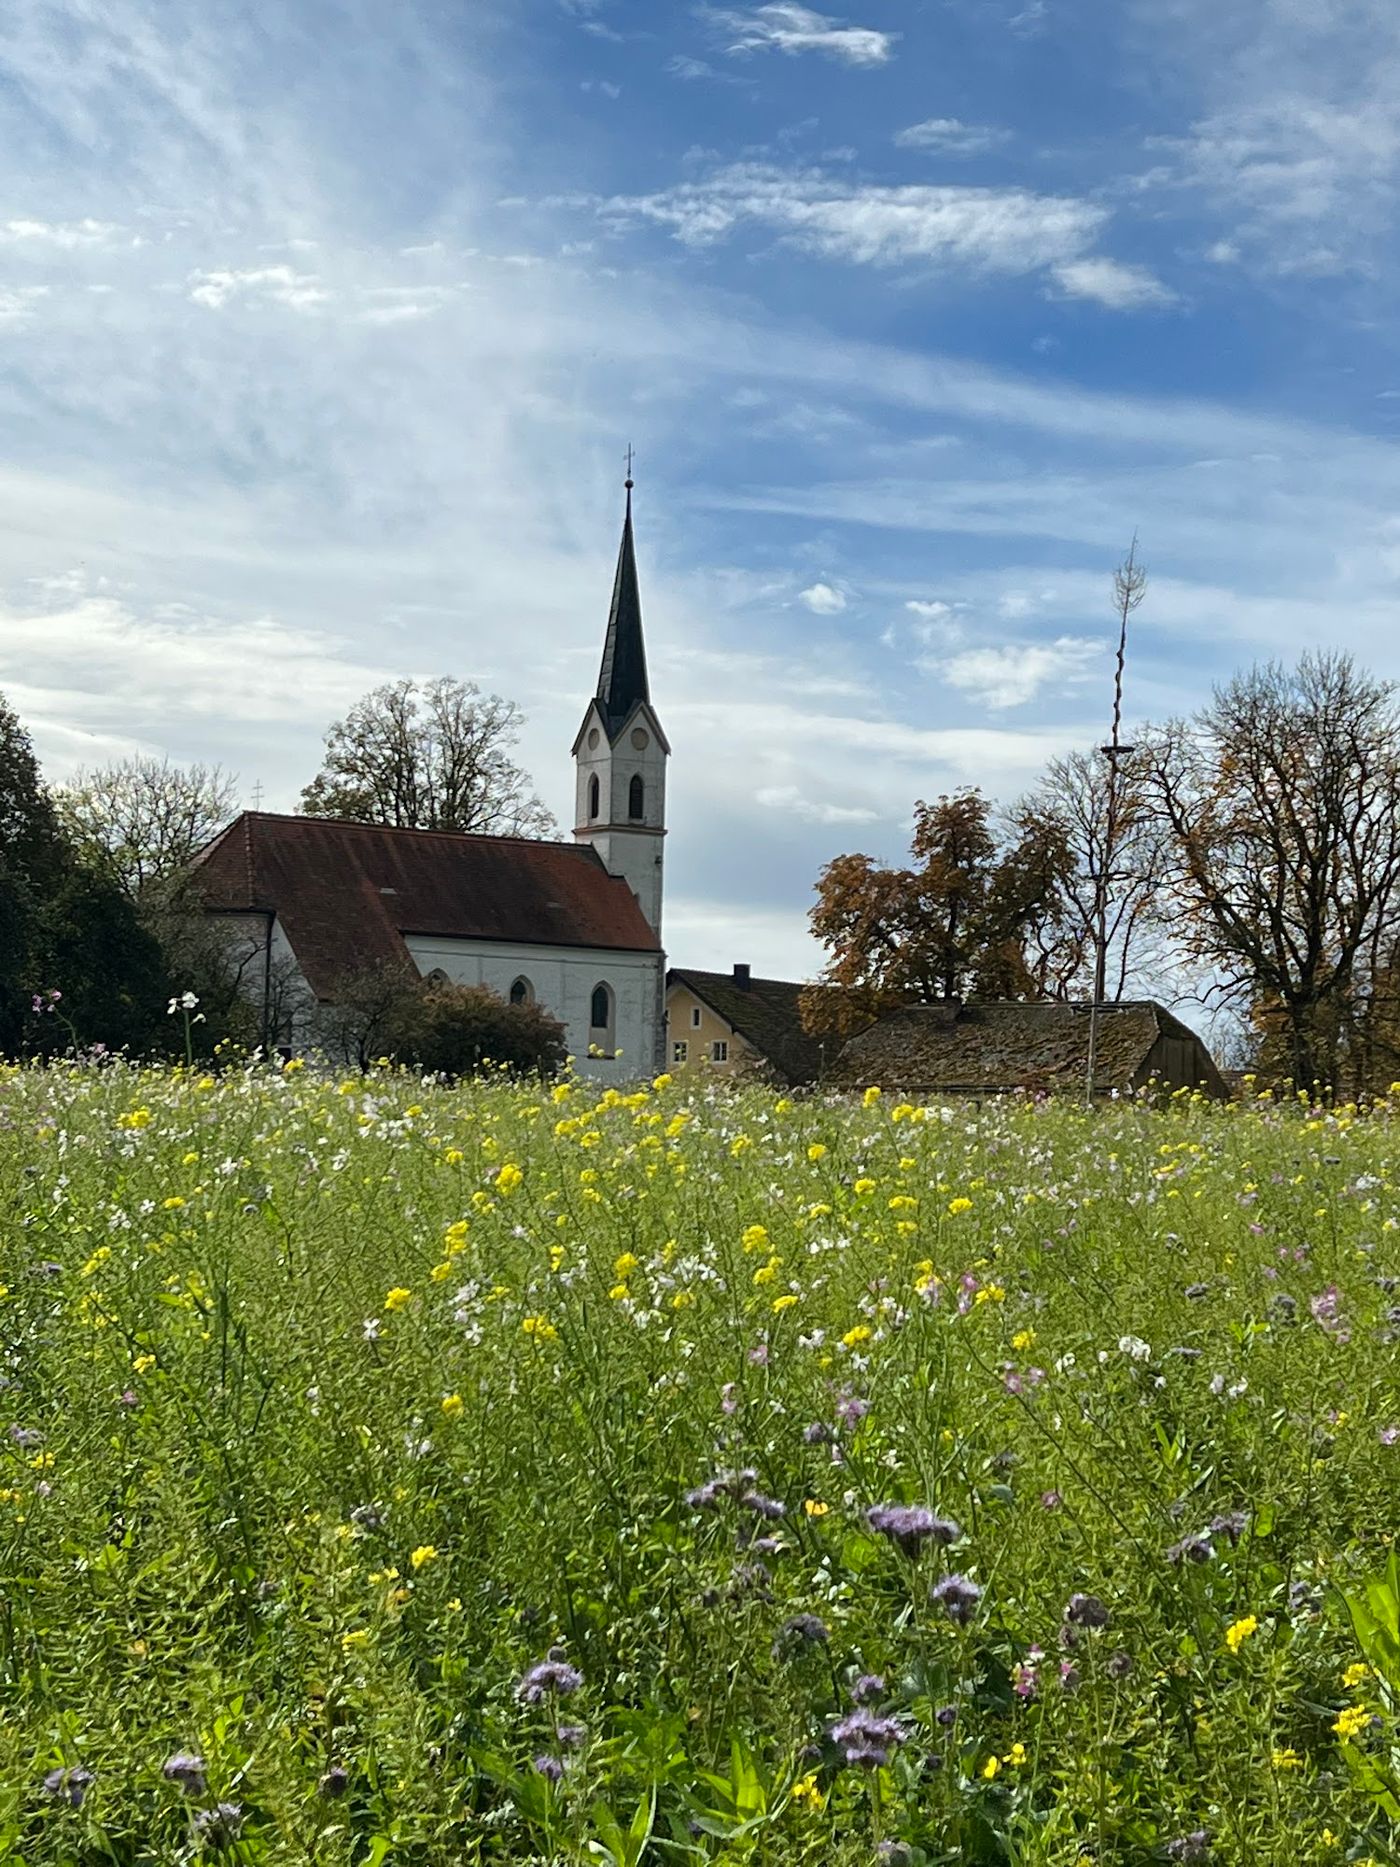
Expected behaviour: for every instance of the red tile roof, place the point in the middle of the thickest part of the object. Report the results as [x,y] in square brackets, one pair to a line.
[347,893]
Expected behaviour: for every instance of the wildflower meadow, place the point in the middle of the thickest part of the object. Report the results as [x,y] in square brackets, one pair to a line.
[393,1473]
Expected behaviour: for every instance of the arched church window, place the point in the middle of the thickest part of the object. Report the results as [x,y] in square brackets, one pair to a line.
[593,796]
[636,799]
[600,1020]
[522,992]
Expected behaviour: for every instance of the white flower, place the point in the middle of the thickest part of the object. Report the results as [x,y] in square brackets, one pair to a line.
[1135,1346]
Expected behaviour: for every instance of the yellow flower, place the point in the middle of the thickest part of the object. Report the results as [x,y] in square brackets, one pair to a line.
[871,1097]
[990,1768]
[1351,1722]
[619,1293]
[1355,1673]
[783,1303]
[624,1265]
[754,1237]
[903,1202]
[960,1204]
[358,1638]
[509,1178]
[171,1205]
[683,1299]
[541,1328]
[1286,1759]
[864,1186]
[398,1298]
[424,1554]
[805,1791]
[817,1151]
[663,1081]
[143,1363]
[767,1273]
[452,1405]
[1240,1631]
[853,1337]
[1016,1756]
[453,1157]
[1023,1339]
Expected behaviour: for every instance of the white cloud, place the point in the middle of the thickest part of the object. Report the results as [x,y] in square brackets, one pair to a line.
[1108,282]
[1007,230]
[823,599]
[65,235]
[278,285]
[932,611]
[950,137]
[797,803]
[1009,676]
[787,27]
[17,304]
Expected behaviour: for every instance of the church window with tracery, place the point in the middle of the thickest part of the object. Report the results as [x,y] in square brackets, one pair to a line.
[522,992]
[636,800]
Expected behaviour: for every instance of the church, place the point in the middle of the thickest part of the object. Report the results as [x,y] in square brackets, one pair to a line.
[310,902]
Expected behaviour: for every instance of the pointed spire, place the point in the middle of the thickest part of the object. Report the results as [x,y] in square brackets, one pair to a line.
[622,679]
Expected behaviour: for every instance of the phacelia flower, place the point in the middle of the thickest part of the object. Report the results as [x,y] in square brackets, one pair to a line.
[69,1785]
[957,1596]
[220,1826]
[868,1689]
[187,1770]
[550,1678]
[865,1739]
[550,1768]
[910,1525]
[1086,1611]
[335,1782]
[801,1630]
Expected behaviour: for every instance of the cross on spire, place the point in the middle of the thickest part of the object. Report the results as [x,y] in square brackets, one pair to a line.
[630,458]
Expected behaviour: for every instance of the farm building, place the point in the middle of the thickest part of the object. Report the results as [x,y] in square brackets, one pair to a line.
[1000,1047]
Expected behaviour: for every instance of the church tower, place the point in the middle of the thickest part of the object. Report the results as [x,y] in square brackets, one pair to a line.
[620,753]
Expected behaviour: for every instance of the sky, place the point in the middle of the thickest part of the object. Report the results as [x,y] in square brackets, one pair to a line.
[324,328]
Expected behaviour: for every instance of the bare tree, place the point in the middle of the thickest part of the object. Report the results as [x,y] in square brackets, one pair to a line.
[1282,799]
[434,756]
[141,820]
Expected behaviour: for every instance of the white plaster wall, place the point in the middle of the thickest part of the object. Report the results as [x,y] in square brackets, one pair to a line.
[563,979]
[293,1004]
[631,850]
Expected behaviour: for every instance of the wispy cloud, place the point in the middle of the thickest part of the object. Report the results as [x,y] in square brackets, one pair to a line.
[948,136]
[797,803]
[787,27]
[19,303]
[63,235]
[995,230]
[1011,675]
[277,285]
[1110,283]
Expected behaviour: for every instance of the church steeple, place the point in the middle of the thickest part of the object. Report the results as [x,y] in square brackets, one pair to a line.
[622,679]
[620,753]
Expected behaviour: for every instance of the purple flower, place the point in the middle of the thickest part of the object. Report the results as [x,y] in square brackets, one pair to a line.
[957,1596]
[818,1434]
[763,1506]
[850,1410]
[1050,1500]
[1326,1309]
[26,1437]
[1120,1664]
[550,1768]
[551,1678]
[1192,1847]
[1388,1435]
[869,1688]
[708,1495]
[1086,1611]
[1069,1676]
[571,1736]
[946,1715]
[69,1785]
[866,1739]
[187,1770]
[219,1827]
[1194,1548]
[1024,1680]
[802,1630]
[1231,1524]
[908,1525]
[335,1782]
[727,1402]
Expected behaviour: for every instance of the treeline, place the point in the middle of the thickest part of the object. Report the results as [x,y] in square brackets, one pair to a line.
[1248,856]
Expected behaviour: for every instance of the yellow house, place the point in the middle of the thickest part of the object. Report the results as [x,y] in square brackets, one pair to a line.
[734,1024]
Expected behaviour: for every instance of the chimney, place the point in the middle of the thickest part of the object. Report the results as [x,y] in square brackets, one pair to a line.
[741,978]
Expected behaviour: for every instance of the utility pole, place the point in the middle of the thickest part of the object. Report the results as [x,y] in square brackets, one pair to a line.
[1129,585]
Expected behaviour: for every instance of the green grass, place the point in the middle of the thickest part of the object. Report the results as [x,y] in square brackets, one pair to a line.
[271,1341]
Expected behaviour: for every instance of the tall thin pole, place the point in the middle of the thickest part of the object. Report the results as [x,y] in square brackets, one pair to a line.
[1129,584]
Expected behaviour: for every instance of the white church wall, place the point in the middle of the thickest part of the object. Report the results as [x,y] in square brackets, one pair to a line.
[563,979]
[271,979]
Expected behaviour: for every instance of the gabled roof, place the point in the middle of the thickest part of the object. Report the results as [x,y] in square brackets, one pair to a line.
[764,1013]
[346,894]
[622,679]
[1003,1045]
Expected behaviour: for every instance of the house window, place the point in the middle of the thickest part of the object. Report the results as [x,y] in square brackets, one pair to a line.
[522,992]
[593,796]
[680,1052]
[695,1018]
[719,1050]
[636,800]
[601,1035]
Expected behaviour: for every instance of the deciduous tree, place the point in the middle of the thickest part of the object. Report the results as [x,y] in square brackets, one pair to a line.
[142,819]
[434,756]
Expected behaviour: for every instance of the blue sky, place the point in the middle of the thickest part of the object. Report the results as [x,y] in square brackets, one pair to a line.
[323,328]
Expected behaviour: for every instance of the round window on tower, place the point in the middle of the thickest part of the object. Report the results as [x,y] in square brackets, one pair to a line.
[640,739]
[593,738]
